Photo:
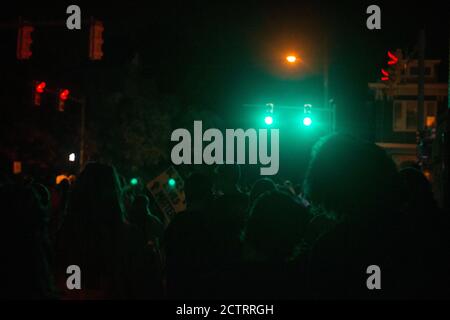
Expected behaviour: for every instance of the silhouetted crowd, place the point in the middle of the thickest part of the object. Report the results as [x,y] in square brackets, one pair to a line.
[274,241]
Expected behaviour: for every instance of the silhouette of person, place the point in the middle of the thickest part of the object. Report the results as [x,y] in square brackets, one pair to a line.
[24,244]
[273,265]
[259,187]
[94,236]
[186,241]
[148,230]
[426,240]
[356,184]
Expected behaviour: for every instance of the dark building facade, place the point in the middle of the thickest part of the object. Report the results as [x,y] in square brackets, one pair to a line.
[411,134]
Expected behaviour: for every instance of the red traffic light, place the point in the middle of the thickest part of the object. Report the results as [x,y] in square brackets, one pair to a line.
[64,94]
[40,86]
[24,42]
[385,76]
[393,58]
[38,89]
[96,40]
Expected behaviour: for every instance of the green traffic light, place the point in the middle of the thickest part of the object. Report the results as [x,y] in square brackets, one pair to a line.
[171,182]
[307,121]
[268,120]
[134,181]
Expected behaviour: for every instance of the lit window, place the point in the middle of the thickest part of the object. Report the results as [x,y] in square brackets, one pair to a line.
[405,117]
[430,112]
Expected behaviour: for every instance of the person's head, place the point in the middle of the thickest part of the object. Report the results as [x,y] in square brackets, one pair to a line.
[197,189]
[417,191]
[275,226]
[259,187]
[351,178]
[94,225]
[227,177]
[97,196]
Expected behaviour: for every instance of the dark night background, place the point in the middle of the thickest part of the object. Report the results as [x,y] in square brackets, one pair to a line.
[166,64]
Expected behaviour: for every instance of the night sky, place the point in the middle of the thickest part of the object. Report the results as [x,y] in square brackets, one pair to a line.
[235,47]
[219,56]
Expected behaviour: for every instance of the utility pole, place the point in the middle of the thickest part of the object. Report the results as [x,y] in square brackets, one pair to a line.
[421,82]
[328,104]
[446,144]
[325,74]
[333,116]
[82,103]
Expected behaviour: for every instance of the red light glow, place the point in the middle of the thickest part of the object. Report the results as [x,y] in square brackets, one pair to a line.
[393,58]
[385,76]
[40,87]
[64,94]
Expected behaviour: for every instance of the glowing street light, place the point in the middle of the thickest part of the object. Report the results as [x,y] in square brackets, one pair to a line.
[72,157]
[291,59]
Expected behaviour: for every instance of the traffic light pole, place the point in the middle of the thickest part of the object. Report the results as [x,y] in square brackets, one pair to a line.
[325,75]
[333,116]
[421,82]
[331,107]
[82,131]
[82,103]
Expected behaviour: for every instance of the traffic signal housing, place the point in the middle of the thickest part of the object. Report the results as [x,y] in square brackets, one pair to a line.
[268,118]
[38,89]
[307,120]
[385,75]
[24,42]
[62,97]
[392,73]
[96,40]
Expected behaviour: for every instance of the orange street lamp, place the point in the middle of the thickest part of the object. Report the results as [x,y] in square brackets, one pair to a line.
[291,59]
